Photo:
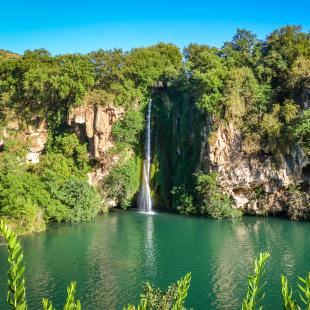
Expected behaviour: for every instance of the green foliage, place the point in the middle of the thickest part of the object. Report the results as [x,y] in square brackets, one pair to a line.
[213,202]
[55,189]
[298,204]
[42,84]
[185,202]
[71,304]
[47,305]
[304,293]
[304,287]
[173,298]
[22,194]
[82,199]
[125,131]
[16,297]
[302,130]
[70,146]
[287,295]
[160,62]
[254,294]
[123,182]
[282,48]
[242,94]
[207,72]
[242,50]
[75,199]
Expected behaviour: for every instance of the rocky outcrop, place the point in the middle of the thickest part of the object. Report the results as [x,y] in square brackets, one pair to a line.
[95,123]
[33,136]
[257,183]
[36,137]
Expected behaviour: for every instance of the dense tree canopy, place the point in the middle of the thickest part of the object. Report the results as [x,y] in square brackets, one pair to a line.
[261,86]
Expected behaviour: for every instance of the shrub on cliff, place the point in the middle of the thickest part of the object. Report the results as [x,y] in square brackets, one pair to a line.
[75,200]
[298,204]
[123,182]
[125,131]
[211,199]
[68,144]
[302,130]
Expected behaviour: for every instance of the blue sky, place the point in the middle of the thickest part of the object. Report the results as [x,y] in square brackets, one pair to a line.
[82,26]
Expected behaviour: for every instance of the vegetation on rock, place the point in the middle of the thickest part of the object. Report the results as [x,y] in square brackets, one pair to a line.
[259,86]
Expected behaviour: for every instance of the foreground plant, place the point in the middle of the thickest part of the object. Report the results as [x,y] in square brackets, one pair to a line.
[287,295]
[255,291]
[16,296]
[155,299]
[304,294]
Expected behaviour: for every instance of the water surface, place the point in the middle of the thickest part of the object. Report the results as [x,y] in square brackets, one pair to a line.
[113,255]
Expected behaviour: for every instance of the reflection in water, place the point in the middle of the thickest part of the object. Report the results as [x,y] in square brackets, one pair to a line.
[112,256]
[150,251]
[232,261]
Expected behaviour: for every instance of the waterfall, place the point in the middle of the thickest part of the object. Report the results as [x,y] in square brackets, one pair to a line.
[145,203]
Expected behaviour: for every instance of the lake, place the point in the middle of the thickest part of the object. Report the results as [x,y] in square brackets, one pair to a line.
[112,256]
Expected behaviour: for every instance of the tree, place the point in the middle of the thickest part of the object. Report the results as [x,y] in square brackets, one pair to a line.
[82,199]
[206,74]
[125,131]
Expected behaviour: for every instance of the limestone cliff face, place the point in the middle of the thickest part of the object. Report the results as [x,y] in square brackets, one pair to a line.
[91,122]
[34,136]
[256,183]
[95,123]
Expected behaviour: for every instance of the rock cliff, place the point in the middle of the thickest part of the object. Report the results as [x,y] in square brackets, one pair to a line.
[92,123]
[257,183]
[36,137]
[95,123]
[33,136]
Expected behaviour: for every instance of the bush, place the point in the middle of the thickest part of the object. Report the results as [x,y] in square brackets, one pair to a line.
[125,130]
[174,298]
[251,143]
[55,169]
[213,202]
[302,130]
[123,182]
[23,199]
[186,204]
[55,189]
[298,204]
[184,201]
[82,199]
[70,146]
[242,93]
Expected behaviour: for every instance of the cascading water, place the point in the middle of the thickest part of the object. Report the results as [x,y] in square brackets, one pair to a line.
[145,203]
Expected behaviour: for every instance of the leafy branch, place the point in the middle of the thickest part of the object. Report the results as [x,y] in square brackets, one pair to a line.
[255,290]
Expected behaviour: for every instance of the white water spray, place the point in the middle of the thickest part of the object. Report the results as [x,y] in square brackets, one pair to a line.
[145,203]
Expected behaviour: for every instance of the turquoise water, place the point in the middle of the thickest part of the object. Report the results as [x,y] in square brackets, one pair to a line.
[113,255]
